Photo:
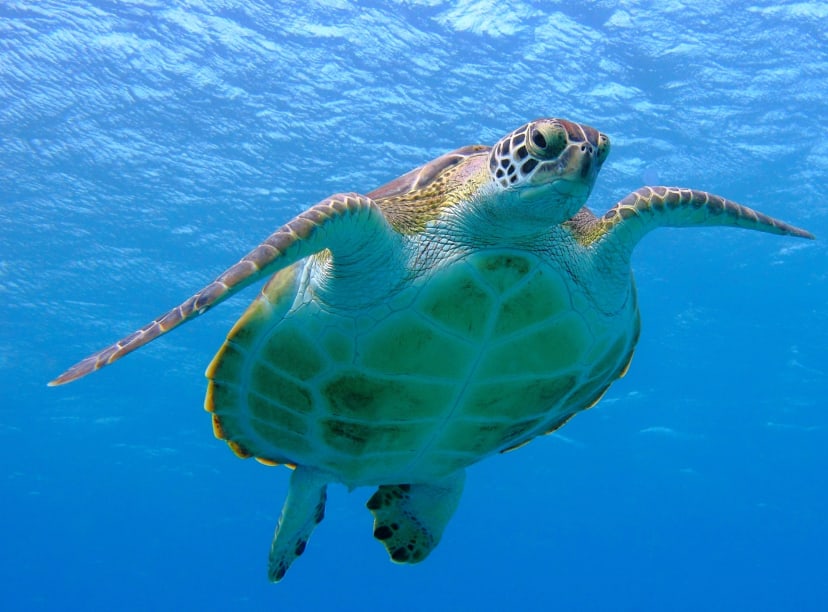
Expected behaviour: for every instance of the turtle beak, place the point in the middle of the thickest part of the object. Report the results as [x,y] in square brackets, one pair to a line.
[589,148]
[589,168]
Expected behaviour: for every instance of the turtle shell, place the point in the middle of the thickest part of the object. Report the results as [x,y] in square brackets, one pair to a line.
[482,355]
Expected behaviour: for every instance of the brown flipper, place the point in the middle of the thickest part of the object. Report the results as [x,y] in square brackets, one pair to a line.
[293,241]
[650,207]
[303,510]
[409,519]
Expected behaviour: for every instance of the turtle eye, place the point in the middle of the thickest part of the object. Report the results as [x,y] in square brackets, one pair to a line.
[547,141]
[538,139]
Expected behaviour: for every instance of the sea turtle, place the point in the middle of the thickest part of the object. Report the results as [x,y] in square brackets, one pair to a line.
[459,311]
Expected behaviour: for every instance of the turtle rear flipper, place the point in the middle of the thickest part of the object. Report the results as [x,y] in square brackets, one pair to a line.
[409,519]
[304,509]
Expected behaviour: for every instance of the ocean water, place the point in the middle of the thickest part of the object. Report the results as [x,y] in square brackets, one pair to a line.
[147,145]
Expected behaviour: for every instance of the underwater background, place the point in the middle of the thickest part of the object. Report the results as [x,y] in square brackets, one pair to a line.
[146,145]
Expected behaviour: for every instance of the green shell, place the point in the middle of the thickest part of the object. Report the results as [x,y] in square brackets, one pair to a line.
[486,354]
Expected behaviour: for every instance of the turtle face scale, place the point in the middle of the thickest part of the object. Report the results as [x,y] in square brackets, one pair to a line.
[547,168]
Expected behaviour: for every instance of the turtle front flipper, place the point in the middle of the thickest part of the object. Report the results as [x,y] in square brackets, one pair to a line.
[409,519]
[629,220]
[344,223]
[304,509]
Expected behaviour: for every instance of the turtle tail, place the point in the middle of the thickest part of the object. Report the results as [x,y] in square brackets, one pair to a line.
[650,207]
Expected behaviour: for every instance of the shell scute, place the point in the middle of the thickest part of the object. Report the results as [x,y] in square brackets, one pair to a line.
[265,410]
[253,322]
[502,271]
[289,443]
[229,364]
[289,350]
[353,394]
[218,430]
[339,346]
[218,396]
[359,438]
[588,394]
[510,400]
[406,344]
[464,308]
[608,363]
[267,381]
[480,438]
[239,449]
[532,303]
[551,349]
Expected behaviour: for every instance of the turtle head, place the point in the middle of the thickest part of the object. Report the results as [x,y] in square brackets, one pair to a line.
[544,171]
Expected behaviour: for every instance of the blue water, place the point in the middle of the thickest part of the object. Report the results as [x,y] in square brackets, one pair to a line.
[146,145]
